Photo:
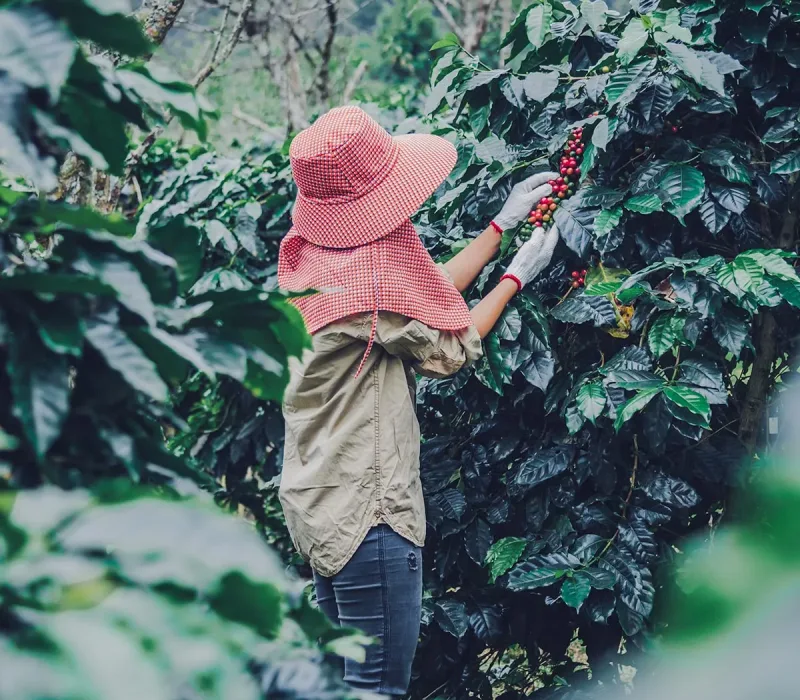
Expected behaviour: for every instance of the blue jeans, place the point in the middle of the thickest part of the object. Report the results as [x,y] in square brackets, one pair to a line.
[379,591]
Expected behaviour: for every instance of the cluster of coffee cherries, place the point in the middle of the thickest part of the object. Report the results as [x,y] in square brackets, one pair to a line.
[578,278]
[563,187]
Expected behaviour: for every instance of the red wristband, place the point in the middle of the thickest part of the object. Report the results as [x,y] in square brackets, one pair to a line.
[495,227]
[507,276]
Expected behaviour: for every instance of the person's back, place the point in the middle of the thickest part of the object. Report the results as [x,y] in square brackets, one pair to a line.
[383,312]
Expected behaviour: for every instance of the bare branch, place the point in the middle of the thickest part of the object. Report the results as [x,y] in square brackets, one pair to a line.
[217,60]
[323,77]
[448,18]
[476,28]
[355,79]
[220,34]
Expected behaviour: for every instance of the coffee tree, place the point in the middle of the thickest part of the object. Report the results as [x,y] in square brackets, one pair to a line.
[113,581]
[607,419]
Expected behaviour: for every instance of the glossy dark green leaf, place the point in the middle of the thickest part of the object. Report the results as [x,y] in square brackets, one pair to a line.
[714,215]
[40,389]
[665,331]
[181,241]
[245,231]
[730,331]
[504,554]
[578,308]
[528,576]
[591,401]
[479,539]
[672,491]
[682,187]
[496,367]
[575,590]
[635,404]
[509,325]
[639,540]
[786,164]
[451,616]
[632,40]
[125,357]
[689,399]
[542,466]
[734,199]
[624,84]
[487,622]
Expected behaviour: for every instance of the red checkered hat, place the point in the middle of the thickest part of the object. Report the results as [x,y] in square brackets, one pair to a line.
[352,236]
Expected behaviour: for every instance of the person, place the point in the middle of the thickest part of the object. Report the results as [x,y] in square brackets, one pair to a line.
[382,311]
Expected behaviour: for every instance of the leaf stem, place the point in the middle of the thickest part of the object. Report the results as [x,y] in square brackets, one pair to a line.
[677,364]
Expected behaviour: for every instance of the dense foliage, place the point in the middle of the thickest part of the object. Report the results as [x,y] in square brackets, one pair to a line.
[101,595]
[112,594]
[606,422]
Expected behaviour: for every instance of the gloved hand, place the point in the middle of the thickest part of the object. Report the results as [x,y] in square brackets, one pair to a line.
[524,196]
[533,257]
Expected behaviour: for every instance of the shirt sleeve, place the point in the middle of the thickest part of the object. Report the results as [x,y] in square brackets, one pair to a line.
[431,352]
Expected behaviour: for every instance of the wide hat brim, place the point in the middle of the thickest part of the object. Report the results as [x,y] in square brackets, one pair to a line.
[422,163]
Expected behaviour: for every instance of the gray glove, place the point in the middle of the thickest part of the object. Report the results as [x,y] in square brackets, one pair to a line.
[534,256]
[524,197]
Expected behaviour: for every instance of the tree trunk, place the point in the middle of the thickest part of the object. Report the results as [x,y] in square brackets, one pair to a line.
[766,342]
[160,17]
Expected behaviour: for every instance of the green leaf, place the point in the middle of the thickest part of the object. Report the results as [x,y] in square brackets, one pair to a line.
[575,590]
[695,66]
[786,164]
[604,280]
[790,291]
[625,84]
[40,389]
[537,23]
[216,231]
[495,369]
[542,466]
[246,228]
[595,13]
[581,308]
[730,331]
[527,576]
[447,41]
[634,379]
[451,616]
[591,401]
[484,77]
[35,49]
[714,216]
[634,405]
[682,186]
[633,39]
[181,241]
[509,325]
[575,226]
[105,25]
[689,399]
[539,86]
[254,604]
[666,330]
[504,554]
[644,203]
[125,357]
[606,221]
[734,199]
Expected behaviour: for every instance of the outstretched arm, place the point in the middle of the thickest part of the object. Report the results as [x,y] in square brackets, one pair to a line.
[466,265]
[533,257]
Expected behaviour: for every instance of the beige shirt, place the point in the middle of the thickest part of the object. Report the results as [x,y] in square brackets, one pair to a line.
[351,456]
